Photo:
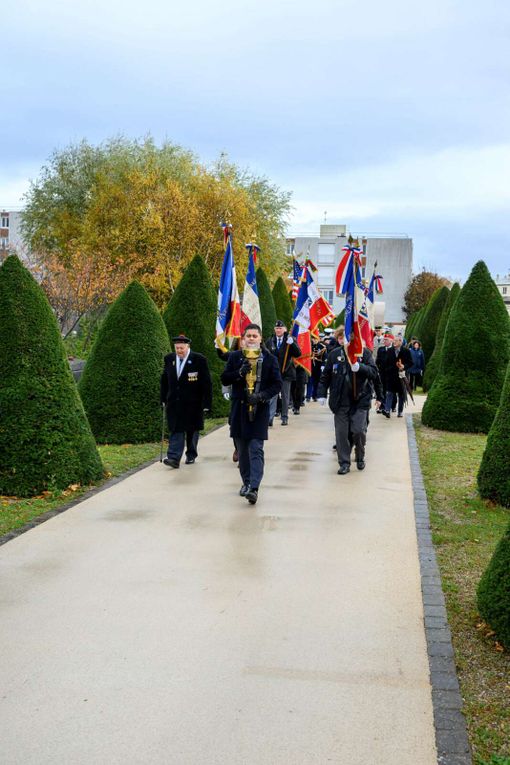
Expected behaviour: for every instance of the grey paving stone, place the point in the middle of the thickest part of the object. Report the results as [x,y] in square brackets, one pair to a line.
[440,649]
[430,610]
[439,635]
[454,759]
[452,741]
[444,681]
[446,699]
[442,664]
[449,719]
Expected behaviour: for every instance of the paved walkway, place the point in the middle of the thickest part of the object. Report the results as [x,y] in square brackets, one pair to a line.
[166,621]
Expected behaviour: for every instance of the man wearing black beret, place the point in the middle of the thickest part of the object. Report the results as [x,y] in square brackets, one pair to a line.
[186,391]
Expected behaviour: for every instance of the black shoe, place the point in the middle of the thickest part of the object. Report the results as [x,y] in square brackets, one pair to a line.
[189,460]
[400,415]
[285,421]
[296,411]
[360,464]
[252,496]
[379,411]
[393,410]
[314,399]
[386,414]
[343,469]
[171,463]
[243,491]
[270,423]
[334,447]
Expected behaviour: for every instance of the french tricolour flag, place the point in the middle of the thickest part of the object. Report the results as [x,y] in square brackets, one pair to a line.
[228,318]
[250,309]
[348,283]
[301,324]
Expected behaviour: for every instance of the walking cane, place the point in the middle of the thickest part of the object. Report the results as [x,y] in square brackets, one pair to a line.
[163,409]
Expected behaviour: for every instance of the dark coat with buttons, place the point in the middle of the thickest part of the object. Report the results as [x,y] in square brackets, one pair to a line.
[338,378]
[387,365]
[284,355]
[186,397]
[270,385]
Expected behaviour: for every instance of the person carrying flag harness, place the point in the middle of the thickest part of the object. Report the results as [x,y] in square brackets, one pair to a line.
[351,389]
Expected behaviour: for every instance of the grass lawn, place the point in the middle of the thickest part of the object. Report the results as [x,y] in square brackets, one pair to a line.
[466,530]
[16,511]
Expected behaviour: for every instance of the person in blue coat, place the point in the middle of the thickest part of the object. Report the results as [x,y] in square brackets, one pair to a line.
[418,368]
[249,429]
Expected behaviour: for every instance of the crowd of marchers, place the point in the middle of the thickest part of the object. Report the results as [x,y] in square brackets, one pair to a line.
[265,381]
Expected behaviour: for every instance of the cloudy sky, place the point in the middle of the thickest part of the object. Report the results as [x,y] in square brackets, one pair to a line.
[392,117]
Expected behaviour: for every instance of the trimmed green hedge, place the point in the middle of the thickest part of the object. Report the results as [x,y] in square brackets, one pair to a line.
[192,311]
[431,319]
[432,364]
[267,308]
[493,594]
[494,473]
[45,438]
[282,302]
[120,383]
[339,319]
[476,349]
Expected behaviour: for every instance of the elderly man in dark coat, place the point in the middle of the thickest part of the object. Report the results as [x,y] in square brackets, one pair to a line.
[351,390]
[392,359]
[186,391]
[249,416]
[283,346]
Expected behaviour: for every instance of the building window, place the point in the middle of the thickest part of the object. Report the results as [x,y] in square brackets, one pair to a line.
[325,253]
[290,248]
[328,294]
[504,290]
[4,243]
[5,221]
[326,276]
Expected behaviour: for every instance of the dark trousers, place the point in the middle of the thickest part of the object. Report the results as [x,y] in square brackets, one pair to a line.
[298,388]
[391,401]
[251,460]
[176,445]
[415,379]
[350,430]
[285,396]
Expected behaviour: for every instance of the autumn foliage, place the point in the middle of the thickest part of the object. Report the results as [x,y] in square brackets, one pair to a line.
[98,217]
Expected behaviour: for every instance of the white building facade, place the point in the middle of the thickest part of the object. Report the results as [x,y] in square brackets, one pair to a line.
[393,255]
[10,232]
[503,285]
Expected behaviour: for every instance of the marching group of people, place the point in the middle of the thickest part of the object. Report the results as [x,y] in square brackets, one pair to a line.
[263,382]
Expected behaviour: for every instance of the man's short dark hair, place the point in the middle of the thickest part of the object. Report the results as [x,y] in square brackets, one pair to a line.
[252,326]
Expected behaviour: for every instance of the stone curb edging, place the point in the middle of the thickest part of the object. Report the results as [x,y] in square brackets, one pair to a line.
[86,495]
[451,735]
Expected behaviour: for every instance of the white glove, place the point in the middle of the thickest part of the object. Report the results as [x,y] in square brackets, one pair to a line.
[402,374]
[355,366]
[290,340]
[322,401]
[226,396]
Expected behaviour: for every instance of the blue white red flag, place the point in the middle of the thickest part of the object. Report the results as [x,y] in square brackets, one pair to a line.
[250,309]
[301,324]
[228,318]
[320,310]
[348,283]
[297,271]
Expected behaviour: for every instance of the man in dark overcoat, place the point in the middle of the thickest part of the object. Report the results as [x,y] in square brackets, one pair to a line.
[249,416]
[351,389]
[393,359]
[284,347]
[186,391]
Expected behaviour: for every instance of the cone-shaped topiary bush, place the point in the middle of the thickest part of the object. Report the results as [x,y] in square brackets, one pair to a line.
[45,438]
[413,324]
[120,383]
[494,472]
[466,393]
[192,311]
[339,319]
[431,319]
[267,309]
[494,591]
[432,364]
[282,302]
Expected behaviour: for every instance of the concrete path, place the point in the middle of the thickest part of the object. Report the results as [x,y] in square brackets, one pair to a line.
[166,621]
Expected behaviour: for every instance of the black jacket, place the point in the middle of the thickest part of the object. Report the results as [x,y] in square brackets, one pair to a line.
[289,373]
[337,377]
[186,397]
[387,365]
[270,385]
